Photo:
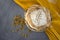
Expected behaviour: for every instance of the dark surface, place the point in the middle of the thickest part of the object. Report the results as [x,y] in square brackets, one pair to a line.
[8,9]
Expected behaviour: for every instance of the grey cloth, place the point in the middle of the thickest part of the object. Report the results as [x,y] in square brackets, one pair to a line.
[9,9]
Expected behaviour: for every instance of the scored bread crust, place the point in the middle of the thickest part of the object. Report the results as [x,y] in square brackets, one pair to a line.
[28,21]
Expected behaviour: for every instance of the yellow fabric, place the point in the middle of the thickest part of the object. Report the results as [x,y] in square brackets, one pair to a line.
[53,32]
[25,4]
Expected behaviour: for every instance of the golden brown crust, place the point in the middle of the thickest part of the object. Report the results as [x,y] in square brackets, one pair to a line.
[29,21]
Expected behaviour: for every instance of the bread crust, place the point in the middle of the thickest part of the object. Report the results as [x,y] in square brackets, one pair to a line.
[28,20]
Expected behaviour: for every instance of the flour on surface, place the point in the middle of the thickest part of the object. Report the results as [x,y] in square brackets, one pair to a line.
[38,17]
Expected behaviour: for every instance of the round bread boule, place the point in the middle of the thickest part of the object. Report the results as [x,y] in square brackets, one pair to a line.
[37,18]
